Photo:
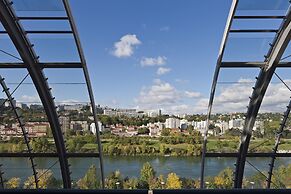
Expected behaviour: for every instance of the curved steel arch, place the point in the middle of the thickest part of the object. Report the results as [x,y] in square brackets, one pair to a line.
[88,83]
[214,83]
[22,126]
[1,177]
[278,137]
[23,46]
[262,83]
[267,69]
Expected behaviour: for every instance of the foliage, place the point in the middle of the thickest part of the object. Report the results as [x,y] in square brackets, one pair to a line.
[13,183]
[165,132]
[90,180]
[114,181]
[173,182]
[143,130]
[147,174]
[46,180]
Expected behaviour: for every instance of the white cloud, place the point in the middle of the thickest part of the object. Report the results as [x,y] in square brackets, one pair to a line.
[181,81]
[190,94]
[235,97]
[165,29]
[148,61]
[29,99]
[160,93]
[125,47]
[163,70]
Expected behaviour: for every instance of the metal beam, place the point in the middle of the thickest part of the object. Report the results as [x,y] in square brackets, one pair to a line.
[48,155]
[89,86]
[262,83]
[22,126]
[259,17]
[42,18]
[43,32]
[1,177]
[253,31]
[23,46]
[214,83]
[278,137]
[252,64]
[42,65]
[250,155]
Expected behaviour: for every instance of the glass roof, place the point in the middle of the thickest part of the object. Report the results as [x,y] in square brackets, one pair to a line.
[250,36]
[48,29]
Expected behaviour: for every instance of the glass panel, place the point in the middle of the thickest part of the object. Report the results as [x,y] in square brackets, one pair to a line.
[55,48]
[60,25]
[247,47]
[256,24]
[8,52]
[263,5]
[36,5]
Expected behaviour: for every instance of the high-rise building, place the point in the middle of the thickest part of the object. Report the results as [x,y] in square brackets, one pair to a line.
[93,127]
[79,125]
[65,123]
[172,123]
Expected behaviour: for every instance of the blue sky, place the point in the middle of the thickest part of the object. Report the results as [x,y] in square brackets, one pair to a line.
[152,55]
[187,35]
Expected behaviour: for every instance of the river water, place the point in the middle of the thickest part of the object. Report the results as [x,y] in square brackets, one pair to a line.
[131,165]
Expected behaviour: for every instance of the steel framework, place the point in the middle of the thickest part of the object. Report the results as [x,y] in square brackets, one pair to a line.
[268,67]
[19,36]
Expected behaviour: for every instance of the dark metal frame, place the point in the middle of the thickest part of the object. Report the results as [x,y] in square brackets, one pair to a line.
[89,86]
[22,126]
[22,44]
[30,61]
[268,67]
[278,137]
[214,83]
[275,54]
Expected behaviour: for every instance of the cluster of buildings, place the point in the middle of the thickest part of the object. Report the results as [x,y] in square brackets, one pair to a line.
[38,129]
[181,125]
[33,129]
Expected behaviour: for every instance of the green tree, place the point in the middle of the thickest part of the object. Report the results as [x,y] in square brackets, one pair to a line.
[90,180]
[130,183]
[13,183]
[143,130]
[165,132]
[114,181]
[46,180]
[173,182]
[147,173]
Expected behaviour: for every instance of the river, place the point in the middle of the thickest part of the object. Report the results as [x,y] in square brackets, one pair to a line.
[131,165]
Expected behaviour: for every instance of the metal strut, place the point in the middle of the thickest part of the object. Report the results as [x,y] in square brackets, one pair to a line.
[89,86]
[1,177]
[213,87]
[22,126]
[278,137]
[18,36]
[263,80]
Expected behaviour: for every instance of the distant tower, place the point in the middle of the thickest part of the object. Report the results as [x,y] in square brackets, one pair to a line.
[160,112]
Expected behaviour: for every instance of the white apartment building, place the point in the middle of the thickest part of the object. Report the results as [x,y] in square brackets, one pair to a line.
[259,125]
[93,127]
[223,125]
[236,123]
[172,123]
[199,125]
